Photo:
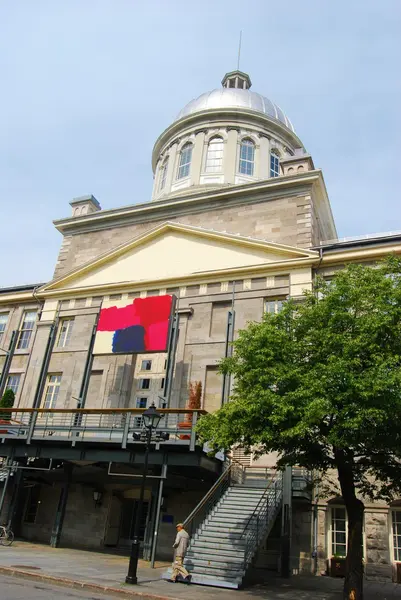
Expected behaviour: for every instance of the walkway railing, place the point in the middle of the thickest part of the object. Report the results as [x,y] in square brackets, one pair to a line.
[121,426]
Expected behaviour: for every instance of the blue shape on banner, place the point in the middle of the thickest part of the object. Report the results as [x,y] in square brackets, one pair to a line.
[130,339]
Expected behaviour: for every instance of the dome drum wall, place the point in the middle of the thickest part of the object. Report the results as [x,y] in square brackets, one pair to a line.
[224,137]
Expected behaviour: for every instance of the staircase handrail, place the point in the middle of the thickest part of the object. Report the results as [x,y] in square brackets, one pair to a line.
[261,501]
[214,494]
[263,515]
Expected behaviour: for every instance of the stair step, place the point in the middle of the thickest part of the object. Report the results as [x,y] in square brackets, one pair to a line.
[216,581]
[221,529]
[211,571]
[214,537]
[245,489]
[216,550]
[224,564]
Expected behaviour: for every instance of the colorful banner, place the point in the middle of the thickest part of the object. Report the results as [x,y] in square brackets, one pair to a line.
[134,326]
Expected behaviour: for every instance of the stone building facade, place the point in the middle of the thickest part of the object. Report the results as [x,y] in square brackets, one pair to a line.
[239,220]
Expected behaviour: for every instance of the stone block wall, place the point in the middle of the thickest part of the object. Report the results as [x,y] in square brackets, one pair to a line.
[274,220]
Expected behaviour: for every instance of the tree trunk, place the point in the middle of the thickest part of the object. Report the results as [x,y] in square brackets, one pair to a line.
[353,583]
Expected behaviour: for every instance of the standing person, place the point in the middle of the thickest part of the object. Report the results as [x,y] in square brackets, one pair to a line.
[180,549]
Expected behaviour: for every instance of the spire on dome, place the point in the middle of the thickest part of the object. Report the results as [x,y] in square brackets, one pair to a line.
[237,79]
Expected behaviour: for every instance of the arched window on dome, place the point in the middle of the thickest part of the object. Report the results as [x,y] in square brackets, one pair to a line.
[185,161]
[163,174]
[214,157]
[247,157]
[274,163]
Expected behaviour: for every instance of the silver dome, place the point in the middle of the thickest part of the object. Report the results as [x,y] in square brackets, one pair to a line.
[235,98]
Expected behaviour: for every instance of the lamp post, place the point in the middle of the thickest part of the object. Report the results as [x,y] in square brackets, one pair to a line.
[151,420]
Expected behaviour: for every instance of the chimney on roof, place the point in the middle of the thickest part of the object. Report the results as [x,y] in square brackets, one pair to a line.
[84,205]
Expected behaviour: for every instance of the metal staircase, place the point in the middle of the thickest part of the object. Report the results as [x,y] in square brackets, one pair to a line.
[230,523]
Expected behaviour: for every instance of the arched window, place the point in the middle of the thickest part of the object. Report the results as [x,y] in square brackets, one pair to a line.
[214,157]
[247,157]
[185,161]
[274,164]
[163,174]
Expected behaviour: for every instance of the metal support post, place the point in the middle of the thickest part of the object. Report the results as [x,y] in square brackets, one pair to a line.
[62,505]
[31,427]
[133,561]
[127,420]
[18,481]
[158,510]
[192,441]
[285,552]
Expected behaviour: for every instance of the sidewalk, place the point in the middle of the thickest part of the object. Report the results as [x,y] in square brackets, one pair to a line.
[106,572]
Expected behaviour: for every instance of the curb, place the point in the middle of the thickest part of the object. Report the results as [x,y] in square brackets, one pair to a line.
[81,585]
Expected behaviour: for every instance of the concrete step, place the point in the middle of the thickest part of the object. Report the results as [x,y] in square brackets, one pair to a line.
[210,570]
[215,581]
[215,550]
[222,528]
[211,561]
[215,537]
[245,490]
[245,503]
[227,521]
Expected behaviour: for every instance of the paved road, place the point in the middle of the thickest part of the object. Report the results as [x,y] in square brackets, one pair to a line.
[12,588]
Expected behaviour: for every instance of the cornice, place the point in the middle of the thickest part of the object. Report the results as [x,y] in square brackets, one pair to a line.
[276,268]
[360,254]
[197,202]
[17,298]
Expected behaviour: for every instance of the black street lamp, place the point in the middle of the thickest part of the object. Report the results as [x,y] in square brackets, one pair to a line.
[151,420]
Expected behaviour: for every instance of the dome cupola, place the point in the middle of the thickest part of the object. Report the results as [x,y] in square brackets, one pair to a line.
[228,136]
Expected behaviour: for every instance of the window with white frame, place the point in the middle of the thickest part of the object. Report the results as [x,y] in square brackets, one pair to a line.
[396,531]
[52,390]
[146,365]
[247,157]
[144,384]
[214,157]
[28,323]
[274,305]
[274,164]
[185,161]
[338,531]
[3,325]
[163,174]
[65,332]
[13,382]
[141,402]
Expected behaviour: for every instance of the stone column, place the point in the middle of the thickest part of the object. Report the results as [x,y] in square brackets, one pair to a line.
[230,155]
[264,156]
[197,156]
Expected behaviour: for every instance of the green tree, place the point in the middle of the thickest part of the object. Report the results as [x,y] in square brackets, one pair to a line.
[320,383]
[7,401]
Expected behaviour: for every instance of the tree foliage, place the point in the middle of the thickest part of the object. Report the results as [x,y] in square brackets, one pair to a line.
[320,383]
[7,401]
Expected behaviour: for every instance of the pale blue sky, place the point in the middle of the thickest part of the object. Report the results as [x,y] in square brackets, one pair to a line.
[88,85]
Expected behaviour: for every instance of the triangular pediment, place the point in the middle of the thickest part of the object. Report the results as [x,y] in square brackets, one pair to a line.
[175,251]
